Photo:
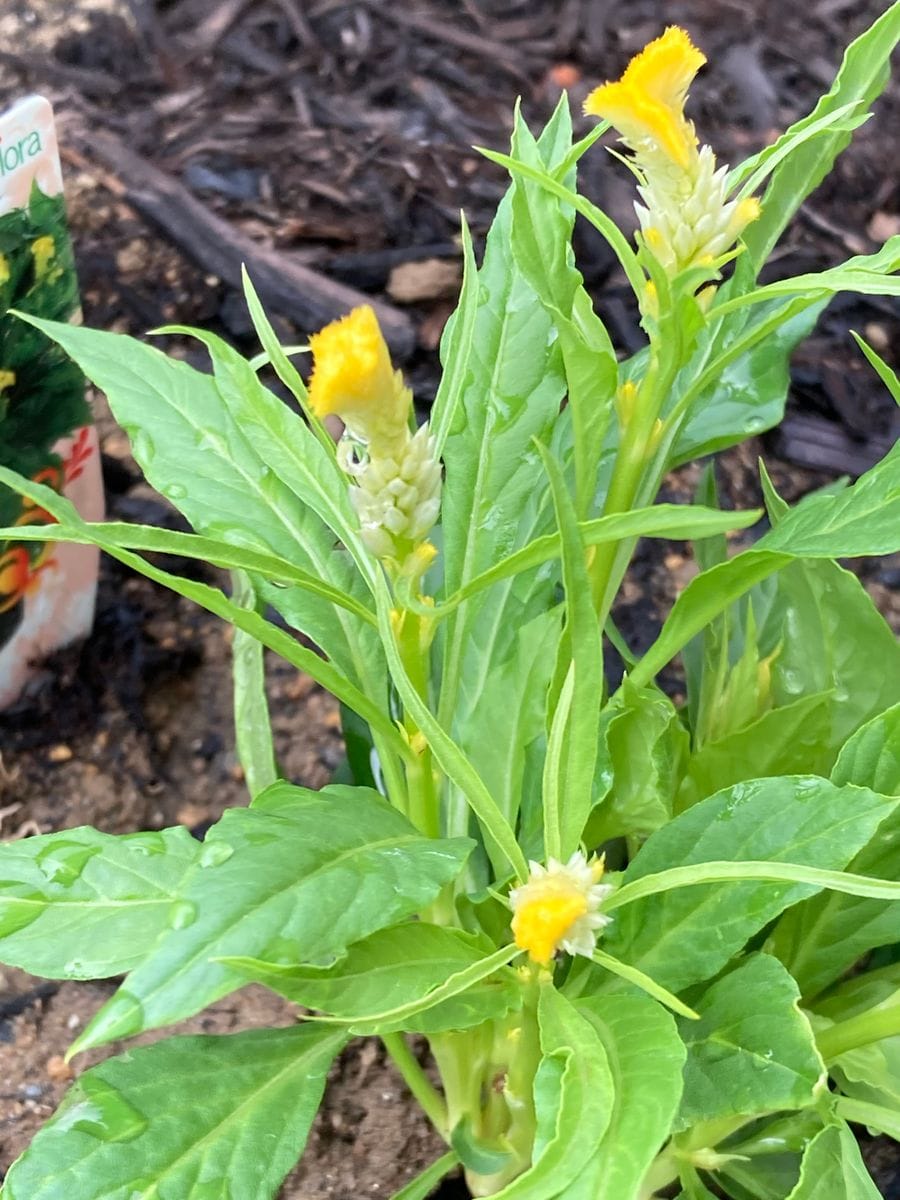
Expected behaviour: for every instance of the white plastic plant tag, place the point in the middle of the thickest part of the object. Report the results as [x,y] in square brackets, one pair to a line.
[47,590]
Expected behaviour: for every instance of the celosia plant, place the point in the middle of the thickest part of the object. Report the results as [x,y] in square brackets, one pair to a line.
[652,946]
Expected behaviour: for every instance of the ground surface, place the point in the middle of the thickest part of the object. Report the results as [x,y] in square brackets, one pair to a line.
[341,133]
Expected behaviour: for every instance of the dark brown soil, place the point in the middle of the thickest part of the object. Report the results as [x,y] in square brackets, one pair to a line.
[342,132]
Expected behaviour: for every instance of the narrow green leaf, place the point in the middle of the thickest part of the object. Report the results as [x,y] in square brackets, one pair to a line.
[86,905]
[423,1185]
[583,637]
[885,374]
[502,844]
[298,877]
[132,1126]
[796,832]
[391,969]
[252,726]
[604,225]
[644,982]
[456,346]
[863,73]
[185,545]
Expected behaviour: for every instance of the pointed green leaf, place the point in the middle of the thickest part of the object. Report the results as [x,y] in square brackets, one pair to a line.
[197,1118]
[646,1057]
[682,936]
[86,905]
[296,878]
[752,1051]
[833,1166]
[391,968]
[820,938]
[577,1113]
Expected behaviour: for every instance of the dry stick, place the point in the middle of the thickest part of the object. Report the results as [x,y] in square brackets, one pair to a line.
[304,296]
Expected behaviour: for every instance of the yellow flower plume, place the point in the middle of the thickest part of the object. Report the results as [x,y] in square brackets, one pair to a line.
[352,370]
[647,103]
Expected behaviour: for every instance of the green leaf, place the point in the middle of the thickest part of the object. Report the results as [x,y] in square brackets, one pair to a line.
[820,938]
[392,968]
[752,1051]
[234,460]
[646,1057]
[683,936]
[860,520]
[575,1118]
[567,796]
[456,346]
[871,758]
[184,545]
[541,243]
[742,377]
[832,637]
[298,877]
[501,842]
[252,727]
[863,74]
[659,521]
[642,754]
[510,393]
[885,374]
[86,905]
[133,1125]
[783,741]
[833,1166]
[423,1185]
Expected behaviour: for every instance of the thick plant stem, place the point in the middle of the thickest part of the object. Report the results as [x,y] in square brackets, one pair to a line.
[861,1030]
[430,1099]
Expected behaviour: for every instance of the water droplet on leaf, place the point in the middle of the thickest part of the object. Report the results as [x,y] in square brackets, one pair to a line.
[215,853]
[102,1111]
[182,914]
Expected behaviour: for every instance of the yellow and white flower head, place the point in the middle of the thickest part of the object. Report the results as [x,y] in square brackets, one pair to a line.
[686,219]
[558,908]
[396,476]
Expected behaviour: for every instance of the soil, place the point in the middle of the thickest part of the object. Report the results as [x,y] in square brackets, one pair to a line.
[341,133]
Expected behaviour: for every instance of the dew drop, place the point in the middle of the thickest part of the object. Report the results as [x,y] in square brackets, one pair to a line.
[61,861]
[142,446]
[75,969]
[175,491]
[103,1112]
[182,914]
[214,854]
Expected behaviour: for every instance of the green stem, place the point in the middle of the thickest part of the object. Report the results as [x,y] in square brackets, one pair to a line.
[429,1098]
[876,1116]
[861,1030]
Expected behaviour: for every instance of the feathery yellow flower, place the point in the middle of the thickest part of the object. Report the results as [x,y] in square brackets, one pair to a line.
[558,908]
[354,378]
[647,104]
[7,379]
